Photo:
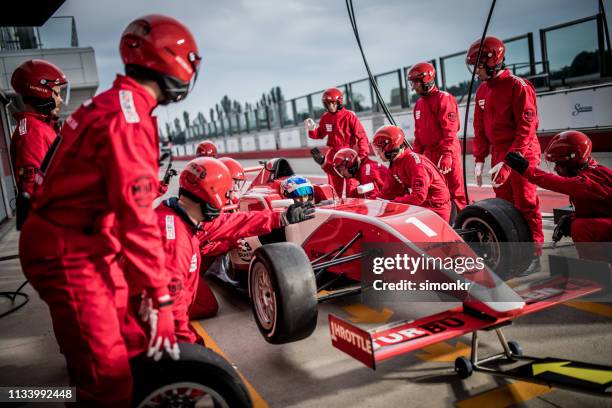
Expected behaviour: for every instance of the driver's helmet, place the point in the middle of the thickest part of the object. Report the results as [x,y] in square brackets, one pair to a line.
[298,188]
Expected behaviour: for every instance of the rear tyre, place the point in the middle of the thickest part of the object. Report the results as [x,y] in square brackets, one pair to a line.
[496,221]
[200,378]
[283,292]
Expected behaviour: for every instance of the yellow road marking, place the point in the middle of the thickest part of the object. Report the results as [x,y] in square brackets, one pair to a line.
[581,373]
[505,396]
[591,307]
[364,314]
[444,352]
[258,401]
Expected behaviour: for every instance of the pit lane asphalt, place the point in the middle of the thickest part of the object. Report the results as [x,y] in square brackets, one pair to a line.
[311,373]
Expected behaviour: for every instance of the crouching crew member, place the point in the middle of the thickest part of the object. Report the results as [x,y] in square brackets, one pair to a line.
[413,178]
[194,220]
[587,183]
[359,171]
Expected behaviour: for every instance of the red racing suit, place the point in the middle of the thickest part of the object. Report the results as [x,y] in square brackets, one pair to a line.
[342,129]
[96,202]
[436,123]
[30,142]
[414,179]
[370,171]
[182,254]
[216,235]
[505,120]
[590,193]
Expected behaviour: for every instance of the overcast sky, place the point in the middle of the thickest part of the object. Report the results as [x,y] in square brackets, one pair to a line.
[249,46]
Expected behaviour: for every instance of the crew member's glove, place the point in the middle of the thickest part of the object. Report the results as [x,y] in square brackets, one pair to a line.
[317,156]
[563,228]
[310,124]
[297,212]
[168,176]
[158,313]
[478,173]
[517,162]
[445,162]
[499,174]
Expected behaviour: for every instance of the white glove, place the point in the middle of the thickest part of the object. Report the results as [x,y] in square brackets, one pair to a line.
[310,124]
[478,173]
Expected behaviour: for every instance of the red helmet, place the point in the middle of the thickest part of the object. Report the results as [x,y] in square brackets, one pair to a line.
[492,55]
[206,149]
[236,170]
[34,81]
[389,139]
[571,148]
[424,72]
[206,180]
[332,95]
[347,158]
[164,49]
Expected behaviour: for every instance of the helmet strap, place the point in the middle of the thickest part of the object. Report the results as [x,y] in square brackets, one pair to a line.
[208,211]
[44,106]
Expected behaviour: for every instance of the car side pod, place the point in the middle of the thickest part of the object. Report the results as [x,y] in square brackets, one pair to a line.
[385,342]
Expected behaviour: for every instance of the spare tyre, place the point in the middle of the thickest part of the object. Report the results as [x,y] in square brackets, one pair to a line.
[283,292]
[493,223]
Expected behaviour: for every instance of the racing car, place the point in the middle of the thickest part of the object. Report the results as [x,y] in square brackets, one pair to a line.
[289,271]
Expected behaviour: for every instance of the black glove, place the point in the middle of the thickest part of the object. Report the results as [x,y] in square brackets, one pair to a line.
[168,176]
[517,162]
[563,228]
[298,212]
[317,156]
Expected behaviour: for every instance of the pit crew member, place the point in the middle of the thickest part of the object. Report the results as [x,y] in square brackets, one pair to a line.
[587,183]
[95,204]
[193,220]
[342,129]
[206,149]
[40,85]
[505,120]
[436,123]
[360,172]
[413,178]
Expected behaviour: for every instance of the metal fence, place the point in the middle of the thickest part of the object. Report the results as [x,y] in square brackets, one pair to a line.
[572,52]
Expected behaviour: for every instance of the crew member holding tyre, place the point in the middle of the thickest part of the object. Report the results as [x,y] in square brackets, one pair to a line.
[506,120]
[358,172]
[40,85]
[436,123]
[193,220]
[342,128]
[587,183]
[413,178]
[95,205]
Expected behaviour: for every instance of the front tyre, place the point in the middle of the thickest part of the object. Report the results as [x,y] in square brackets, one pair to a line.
[283,292]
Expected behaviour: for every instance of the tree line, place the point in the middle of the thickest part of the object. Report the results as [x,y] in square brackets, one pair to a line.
[223,109]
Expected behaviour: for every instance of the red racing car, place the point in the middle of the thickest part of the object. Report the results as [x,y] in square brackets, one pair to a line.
[289,271]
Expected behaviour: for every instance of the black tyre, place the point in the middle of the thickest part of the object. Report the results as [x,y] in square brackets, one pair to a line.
[463,367]
[199,378]
[515,348]
[283,292]
[496,221]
